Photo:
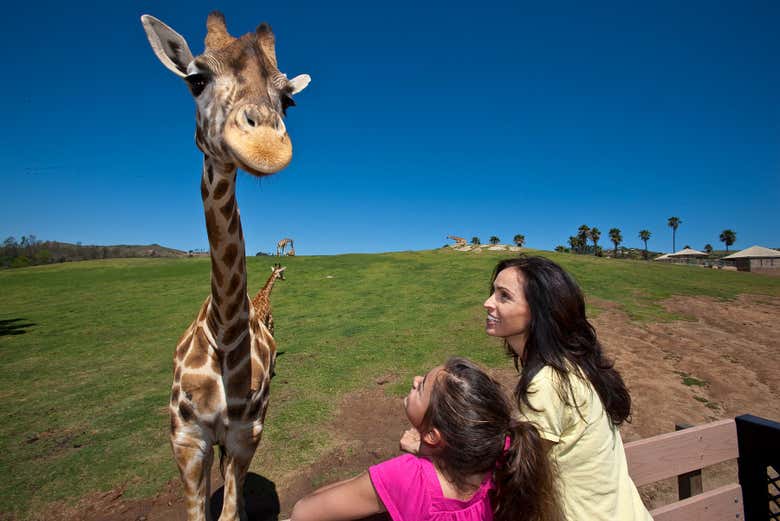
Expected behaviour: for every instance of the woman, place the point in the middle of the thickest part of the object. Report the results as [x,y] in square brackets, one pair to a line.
[567,387]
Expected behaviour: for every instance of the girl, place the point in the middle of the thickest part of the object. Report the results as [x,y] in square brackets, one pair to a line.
[479,464]
[567,387]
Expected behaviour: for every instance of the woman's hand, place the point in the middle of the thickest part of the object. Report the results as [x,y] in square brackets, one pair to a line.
[410,441]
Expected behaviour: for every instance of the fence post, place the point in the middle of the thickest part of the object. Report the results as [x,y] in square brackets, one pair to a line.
[758,451]
[688,484]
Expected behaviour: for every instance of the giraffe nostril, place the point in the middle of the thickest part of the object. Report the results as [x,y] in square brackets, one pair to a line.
[250,121]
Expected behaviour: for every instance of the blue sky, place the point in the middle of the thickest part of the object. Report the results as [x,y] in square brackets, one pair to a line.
[422,120]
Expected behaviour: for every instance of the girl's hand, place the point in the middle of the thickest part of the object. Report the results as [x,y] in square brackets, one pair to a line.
[410,441]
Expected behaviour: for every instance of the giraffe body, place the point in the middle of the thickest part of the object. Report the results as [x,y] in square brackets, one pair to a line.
[262,301]
[224,361]
[282,244]
[459,241]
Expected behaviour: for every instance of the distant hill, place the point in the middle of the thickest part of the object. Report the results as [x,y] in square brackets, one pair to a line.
[30,252]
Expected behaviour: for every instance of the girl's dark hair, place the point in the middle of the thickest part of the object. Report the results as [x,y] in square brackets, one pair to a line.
[560,336]
[474,418]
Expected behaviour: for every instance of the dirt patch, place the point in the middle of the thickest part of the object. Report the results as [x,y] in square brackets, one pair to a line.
[720,363]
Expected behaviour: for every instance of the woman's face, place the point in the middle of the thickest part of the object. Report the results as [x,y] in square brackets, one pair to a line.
[508,313]
[419,398]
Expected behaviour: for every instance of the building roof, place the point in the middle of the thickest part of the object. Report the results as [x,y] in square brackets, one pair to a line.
[688,252]
[665,256]
[753,251]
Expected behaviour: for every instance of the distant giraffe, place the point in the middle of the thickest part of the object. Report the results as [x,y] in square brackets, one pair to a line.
[291,253]
[459,241]
[262,301]
[281,245]
[224,361]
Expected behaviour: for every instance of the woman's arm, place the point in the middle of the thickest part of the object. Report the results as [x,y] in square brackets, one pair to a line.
[350,499]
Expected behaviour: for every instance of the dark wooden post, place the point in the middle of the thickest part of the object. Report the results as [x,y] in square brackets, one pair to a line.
[688,484]
[758,450]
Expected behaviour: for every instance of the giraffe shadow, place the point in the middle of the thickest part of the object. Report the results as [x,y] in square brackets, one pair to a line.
[260,499]
[14,326]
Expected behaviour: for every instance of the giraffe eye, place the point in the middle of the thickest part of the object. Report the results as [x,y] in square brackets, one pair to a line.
[287,102]
[197,83]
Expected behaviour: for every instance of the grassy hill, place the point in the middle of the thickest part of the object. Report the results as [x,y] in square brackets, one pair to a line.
[86,351]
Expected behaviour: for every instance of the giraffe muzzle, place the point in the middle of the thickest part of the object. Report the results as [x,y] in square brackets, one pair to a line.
[258,139]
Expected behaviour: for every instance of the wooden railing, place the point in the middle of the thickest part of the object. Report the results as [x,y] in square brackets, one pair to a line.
[753,441]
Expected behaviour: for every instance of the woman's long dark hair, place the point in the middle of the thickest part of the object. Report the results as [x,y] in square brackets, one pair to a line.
[474,418]
[560,336]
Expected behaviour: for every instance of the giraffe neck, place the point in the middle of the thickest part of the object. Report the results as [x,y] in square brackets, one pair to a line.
[269,285]
[228,314]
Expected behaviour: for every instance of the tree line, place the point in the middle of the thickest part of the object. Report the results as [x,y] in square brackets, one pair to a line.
[29,251]
[578,243]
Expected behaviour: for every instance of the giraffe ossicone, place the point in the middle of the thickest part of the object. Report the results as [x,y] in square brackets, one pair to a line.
[224,361]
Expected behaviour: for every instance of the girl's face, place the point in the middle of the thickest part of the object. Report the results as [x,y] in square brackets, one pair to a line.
[508,313]
[419,397]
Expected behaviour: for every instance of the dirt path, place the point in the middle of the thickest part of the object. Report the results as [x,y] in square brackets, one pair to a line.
[721,363]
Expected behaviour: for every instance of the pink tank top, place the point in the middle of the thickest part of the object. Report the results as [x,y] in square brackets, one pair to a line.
[409,488]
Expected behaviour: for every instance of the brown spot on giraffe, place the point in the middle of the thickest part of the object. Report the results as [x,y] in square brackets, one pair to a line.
[202,390]
[240,387]
[230,255]
[213,230]
[229,208]
[198,353]
[221,189]
[238,355]
[237,305]
[235,283]
[233,332]
[238,124]
[233,224]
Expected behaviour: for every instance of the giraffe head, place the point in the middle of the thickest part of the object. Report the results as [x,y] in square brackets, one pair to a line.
[240,94]
[278,270]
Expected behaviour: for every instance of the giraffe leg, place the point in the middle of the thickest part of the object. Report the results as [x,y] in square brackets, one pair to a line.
[236,467]
[195,468]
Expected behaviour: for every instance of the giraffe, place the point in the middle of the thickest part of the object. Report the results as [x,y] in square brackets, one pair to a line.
[281,245]
[459,241]
[224,360]
[262,301]
[291,253]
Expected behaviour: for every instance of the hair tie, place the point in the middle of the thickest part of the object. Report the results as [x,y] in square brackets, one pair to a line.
[501,461]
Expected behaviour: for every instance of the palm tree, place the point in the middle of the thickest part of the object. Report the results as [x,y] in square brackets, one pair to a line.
[728,237]
[494,239]
[673,223]
[519,240]
[475,241]
[574,242]
[615,237]
[708,248]
[645,236]
[595,235]
[582,235]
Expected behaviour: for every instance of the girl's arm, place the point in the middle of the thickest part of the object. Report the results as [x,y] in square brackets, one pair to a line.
[350,499]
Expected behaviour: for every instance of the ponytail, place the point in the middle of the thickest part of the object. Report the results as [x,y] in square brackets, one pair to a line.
[525,479]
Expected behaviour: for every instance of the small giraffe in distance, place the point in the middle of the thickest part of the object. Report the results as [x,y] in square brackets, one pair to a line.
[282,244]
[459,241]
[262,301]
[224,361]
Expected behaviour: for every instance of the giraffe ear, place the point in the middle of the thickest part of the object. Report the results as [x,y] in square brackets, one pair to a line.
[299,83]
[170,47]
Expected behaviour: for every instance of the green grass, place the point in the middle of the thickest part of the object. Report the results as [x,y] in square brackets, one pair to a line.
[84,388]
